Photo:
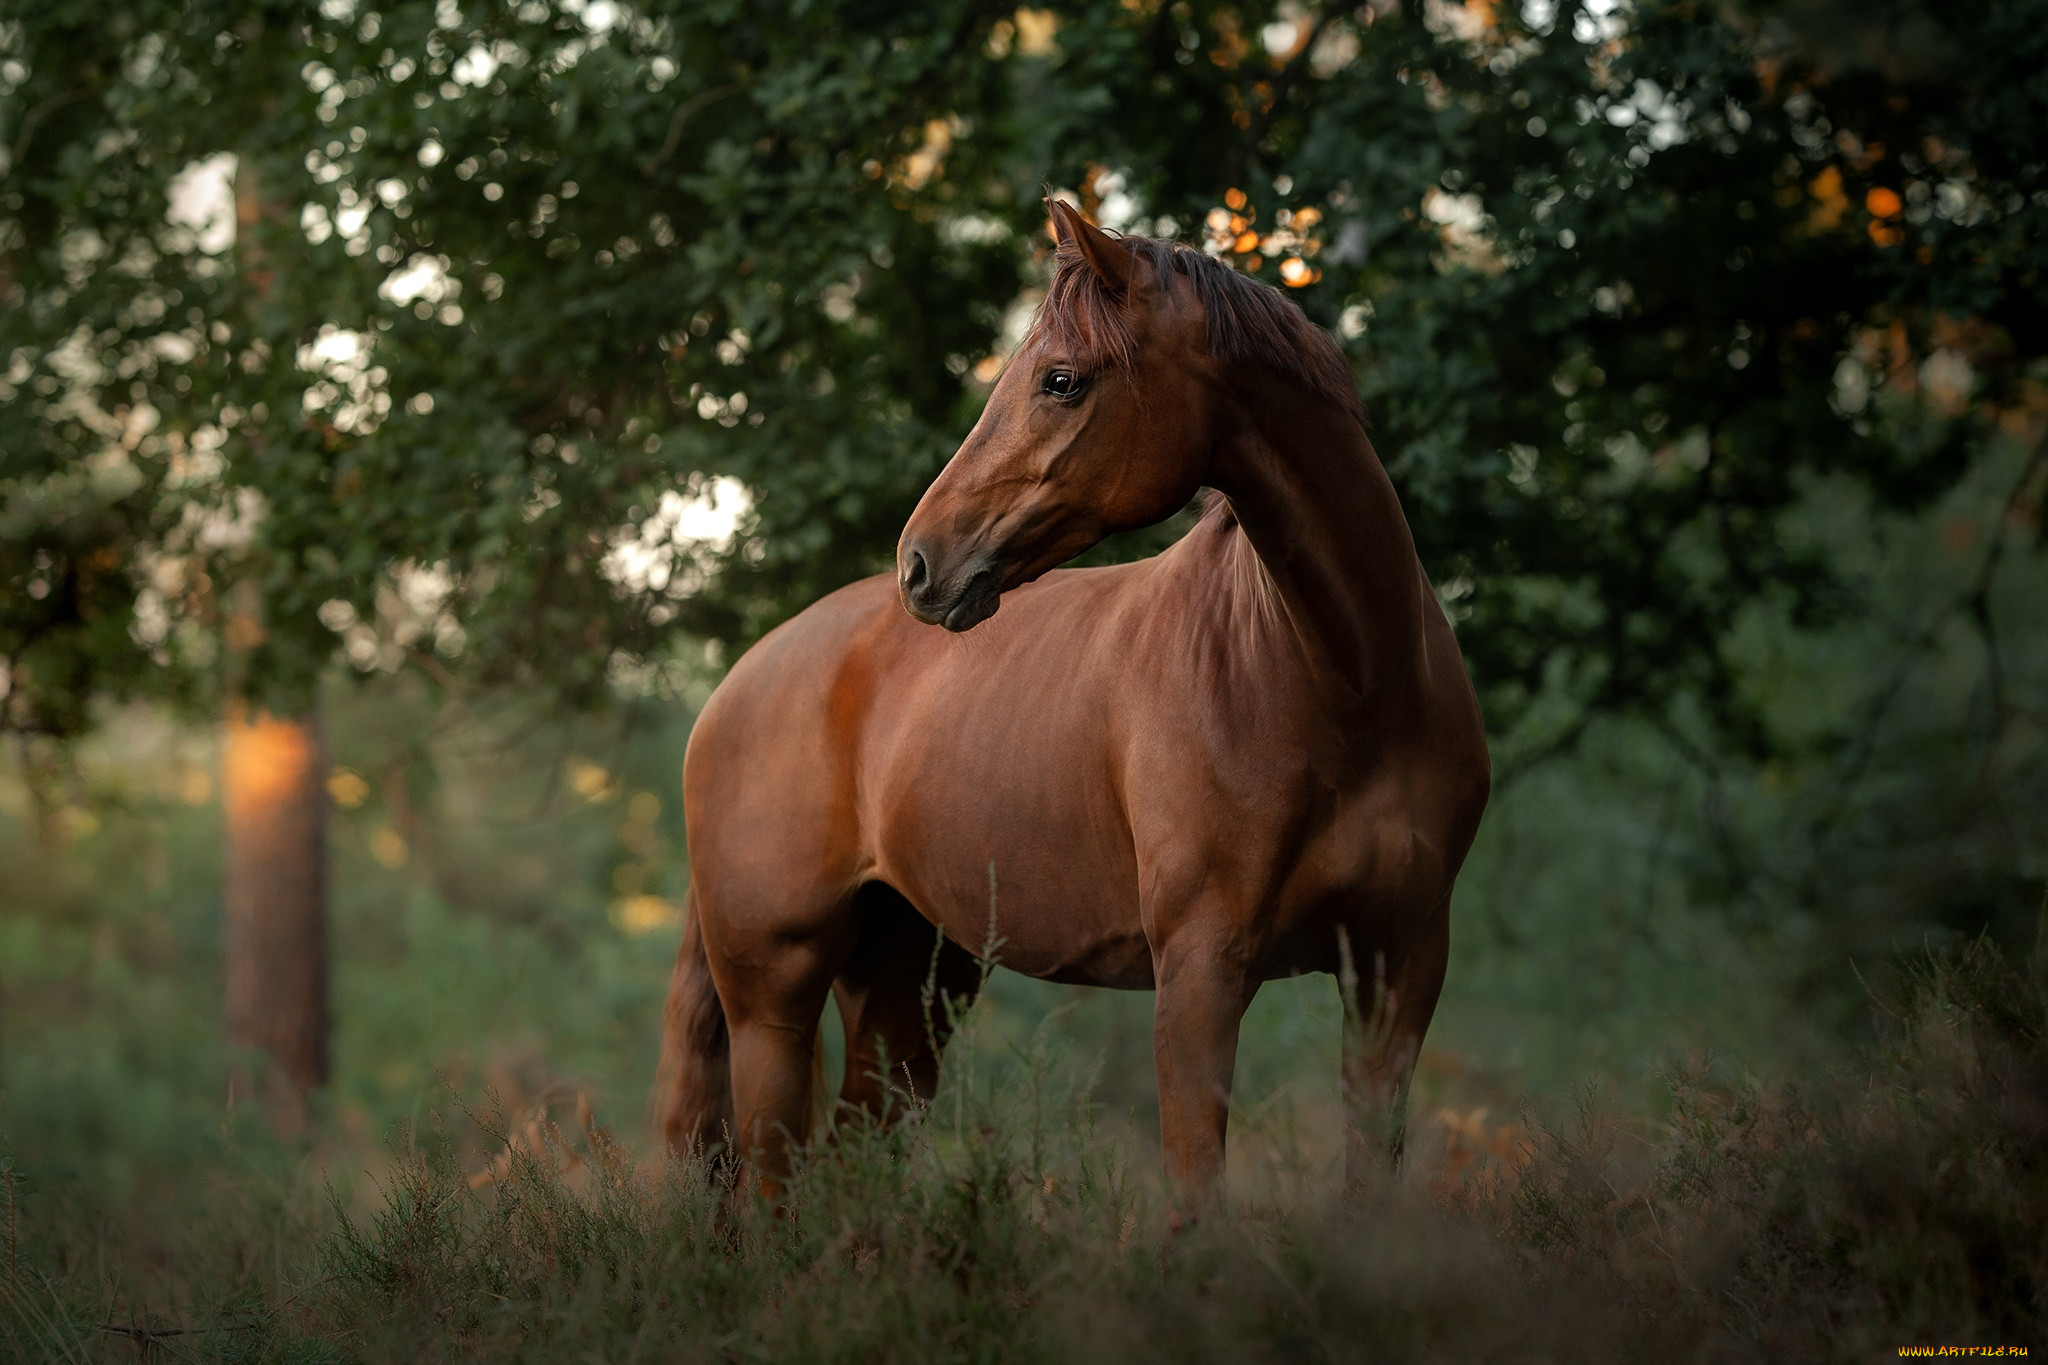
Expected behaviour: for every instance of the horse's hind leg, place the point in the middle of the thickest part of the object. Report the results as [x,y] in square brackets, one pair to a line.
[901,988]
[1388,1003]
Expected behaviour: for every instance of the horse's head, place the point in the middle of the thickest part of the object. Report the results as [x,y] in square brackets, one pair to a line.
[1100,423]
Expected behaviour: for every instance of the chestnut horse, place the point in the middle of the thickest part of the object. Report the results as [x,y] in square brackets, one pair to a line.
[1248,757]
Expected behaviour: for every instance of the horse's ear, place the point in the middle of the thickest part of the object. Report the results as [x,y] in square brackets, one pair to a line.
[1112,263]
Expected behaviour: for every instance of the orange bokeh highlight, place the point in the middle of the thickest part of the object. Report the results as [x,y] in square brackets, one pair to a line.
[267,760]
[1295,272]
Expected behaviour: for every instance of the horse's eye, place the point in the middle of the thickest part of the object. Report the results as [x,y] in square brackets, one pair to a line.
[1064,384]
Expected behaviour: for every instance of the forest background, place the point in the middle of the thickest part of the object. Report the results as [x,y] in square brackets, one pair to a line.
[445,392]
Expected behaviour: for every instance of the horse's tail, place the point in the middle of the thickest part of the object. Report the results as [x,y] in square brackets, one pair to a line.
[693,1084]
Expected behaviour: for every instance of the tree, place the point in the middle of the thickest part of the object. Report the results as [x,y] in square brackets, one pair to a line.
[114,459]
[274,806]
[683,276]
[1602,274]
[1623,286]
[257,489]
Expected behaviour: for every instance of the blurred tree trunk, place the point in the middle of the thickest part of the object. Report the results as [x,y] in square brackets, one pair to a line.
[274,812]
[274,806]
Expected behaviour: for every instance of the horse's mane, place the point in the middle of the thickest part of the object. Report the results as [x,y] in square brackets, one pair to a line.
[1249,323]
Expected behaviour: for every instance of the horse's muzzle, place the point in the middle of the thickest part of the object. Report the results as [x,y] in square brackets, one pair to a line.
[961,604]
[977,600]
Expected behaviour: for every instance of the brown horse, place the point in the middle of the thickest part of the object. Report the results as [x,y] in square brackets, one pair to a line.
[1243,759]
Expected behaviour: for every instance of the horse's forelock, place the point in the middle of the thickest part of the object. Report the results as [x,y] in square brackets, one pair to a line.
[1082,317]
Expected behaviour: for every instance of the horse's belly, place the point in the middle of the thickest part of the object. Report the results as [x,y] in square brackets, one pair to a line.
[1048,898]
[1011,850]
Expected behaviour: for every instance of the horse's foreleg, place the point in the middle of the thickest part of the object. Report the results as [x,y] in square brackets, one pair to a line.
[1387,1008]
[1202,995]
[773,1007]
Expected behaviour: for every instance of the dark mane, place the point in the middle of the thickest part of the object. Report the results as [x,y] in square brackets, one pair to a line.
[1249,323]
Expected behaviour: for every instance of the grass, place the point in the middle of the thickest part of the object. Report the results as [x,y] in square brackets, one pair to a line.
[1903,1202]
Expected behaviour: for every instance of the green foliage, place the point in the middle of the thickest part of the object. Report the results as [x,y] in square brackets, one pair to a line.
[1620,286]
[1605,279]
[692,209]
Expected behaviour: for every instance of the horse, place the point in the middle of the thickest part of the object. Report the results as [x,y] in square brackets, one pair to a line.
[1254,755]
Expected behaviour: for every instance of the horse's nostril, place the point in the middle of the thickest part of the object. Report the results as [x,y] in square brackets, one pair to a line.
[916,575]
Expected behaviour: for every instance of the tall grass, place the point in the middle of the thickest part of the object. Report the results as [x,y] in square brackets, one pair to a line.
[1904,1202]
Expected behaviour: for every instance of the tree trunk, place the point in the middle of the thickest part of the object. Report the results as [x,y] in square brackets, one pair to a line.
[274,805]
[274,808]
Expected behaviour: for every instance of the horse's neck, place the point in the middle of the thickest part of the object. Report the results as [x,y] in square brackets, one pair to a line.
[1323,518]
